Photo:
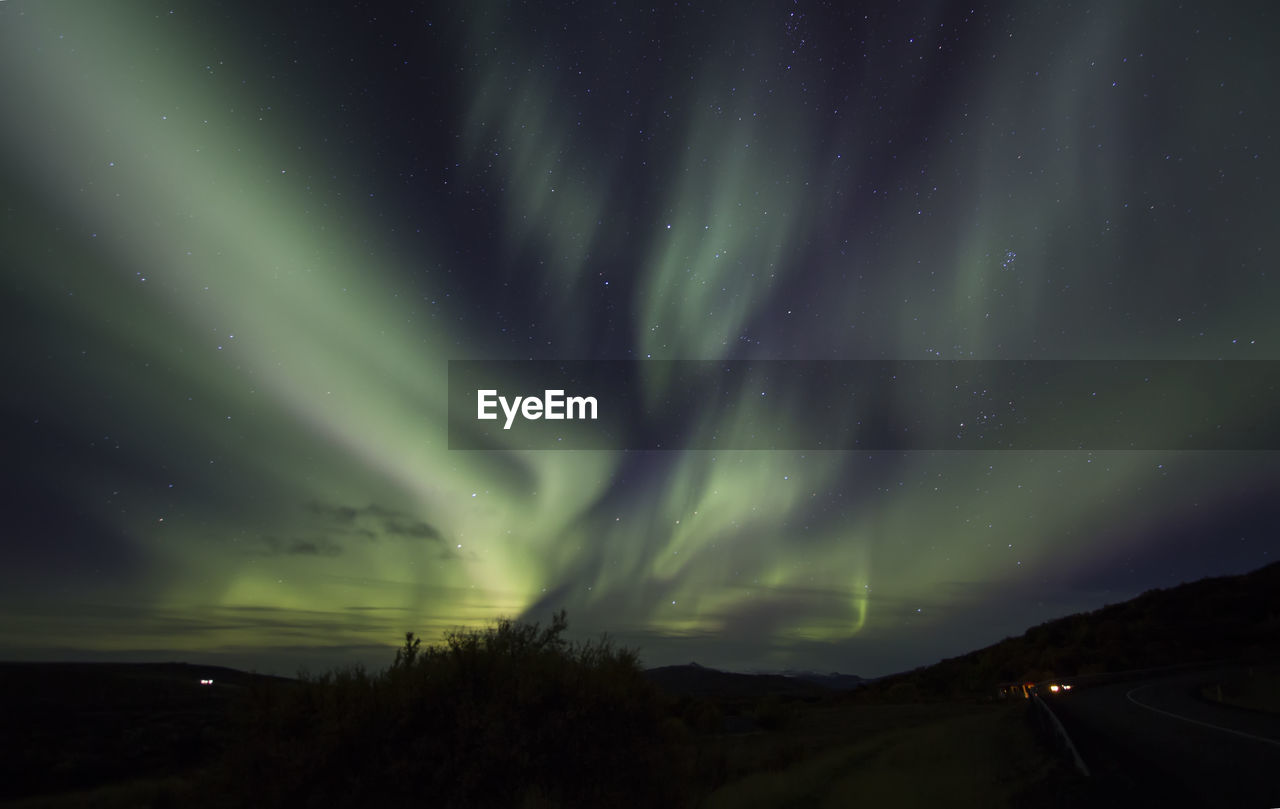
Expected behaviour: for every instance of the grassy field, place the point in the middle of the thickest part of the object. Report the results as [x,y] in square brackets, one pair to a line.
[1257,688]
[820,755]
[73,727]
[895,755]
[146,793]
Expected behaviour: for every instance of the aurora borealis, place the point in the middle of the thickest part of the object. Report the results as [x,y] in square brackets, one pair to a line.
[242,245]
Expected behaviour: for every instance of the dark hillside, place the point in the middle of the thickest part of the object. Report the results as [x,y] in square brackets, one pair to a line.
[698,681]
[71,725]
[1228,618]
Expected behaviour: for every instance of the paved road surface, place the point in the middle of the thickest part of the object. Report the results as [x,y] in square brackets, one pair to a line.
[1158,743]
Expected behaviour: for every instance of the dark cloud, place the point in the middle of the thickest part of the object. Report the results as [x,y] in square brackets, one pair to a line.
[373,521]
[339,514]
[416,530]
[295,546]
[317,547]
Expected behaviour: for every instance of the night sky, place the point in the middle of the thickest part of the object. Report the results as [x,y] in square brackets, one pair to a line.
[241,245]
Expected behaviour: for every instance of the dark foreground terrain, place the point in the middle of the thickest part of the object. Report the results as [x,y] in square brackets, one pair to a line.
[509,716]
[1174,704]
[74,726]
[137,736]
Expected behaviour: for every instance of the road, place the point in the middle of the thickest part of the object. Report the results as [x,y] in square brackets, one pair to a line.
[1155,742]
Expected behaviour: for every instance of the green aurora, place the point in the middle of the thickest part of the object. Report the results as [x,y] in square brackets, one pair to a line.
[228,336]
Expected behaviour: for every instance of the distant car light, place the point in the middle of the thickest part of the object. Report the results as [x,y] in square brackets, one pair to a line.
[206,682]
[1053,688]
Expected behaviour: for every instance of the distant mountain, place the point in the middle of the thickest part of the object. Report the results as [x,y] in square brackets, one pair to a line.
[833,680]
[699,681]
[694,680]
[1227,618]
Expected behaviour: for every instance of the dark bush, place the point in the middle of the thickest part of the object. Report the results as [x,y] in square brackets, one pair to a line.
[511,715]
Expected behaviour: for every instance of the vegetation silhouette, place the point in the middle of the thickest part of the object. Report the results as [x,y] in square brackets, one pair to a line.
[511,715]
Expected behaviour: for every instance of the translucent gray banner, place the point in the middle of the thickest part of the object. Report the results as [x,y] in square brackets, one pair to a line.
[865,405]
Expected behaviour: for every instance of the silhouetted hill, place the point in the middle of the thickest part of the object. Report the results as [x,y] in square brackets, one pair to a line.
[69,725]
[1234,618]
[833,680]
[698,681]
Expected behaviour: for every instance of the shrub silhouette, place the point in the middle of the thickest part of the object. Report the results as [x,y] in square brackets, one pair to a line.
[511,715]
